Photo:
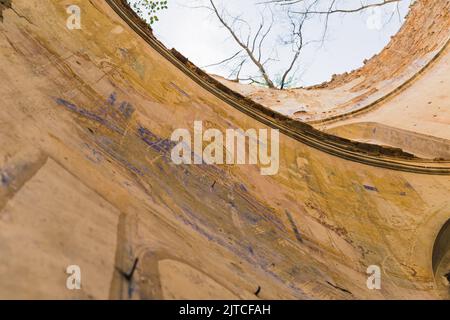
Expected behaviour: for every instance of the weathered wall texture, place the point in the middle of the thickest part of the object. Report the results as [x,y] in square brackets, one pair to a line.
[86,179]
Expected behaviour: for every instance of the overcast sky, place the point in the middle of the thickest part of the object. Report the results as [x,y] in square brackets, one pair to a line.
[351,39]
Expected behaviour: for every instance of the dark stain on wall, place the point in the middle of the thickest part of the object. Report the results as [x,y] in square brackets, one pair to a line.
[294,227]
[4,4]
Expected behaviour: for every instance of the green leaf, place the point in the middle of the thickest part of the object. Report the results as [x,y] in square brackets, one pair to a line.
[147,9]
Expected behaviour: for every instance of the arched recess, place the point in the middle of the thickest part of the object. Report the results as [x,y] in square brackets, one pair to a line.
[441,260]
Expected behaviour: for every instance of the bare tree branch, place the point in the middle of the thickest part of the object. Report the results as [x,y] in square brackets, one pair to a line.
[362,7]
[223,61]
[245,46]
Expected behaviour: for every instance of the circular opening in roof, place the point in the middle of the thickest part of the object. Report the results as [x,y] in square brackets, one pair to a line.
[275,43]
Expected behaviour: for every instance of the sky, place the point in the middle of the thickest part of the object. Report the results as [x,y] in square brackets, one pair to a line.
[351,38]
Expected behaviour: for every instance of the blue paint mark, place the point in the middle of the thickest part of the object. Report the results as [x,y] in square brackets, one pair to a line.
[5,179]
[88,114]
[158,144]
[94,155]
[67,104]
[370,188]
[112,99]
[126,109]
[251,218]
